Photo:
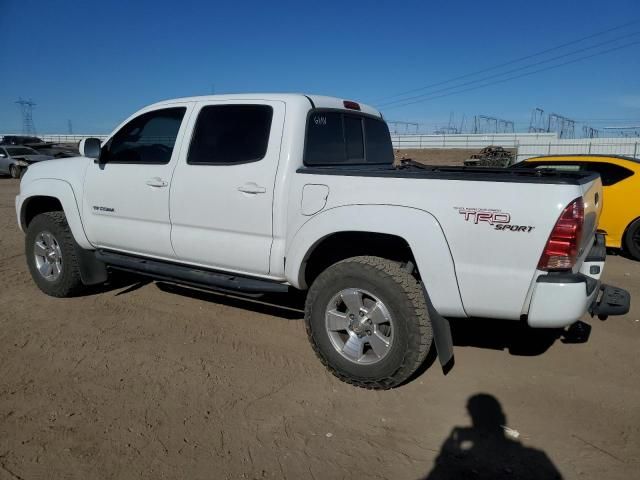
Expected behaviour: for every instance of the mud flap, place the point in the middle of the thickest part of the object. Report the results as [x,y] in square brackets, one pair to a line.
[441,334]
[92,270]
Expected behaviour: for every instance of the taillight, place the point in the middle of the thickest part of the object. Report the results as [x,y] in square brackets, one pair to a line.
[561,250]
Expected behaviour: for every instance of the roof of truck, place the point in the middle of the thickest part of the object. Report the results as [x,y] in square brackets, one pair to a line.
[316,101]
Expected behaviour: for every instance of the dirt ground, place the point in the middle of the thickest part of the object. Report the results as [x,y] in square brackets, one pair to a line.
[151,381]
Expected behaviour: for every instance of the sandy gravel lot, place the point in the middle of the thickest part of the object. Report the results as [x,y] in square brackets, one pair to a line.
[142,380]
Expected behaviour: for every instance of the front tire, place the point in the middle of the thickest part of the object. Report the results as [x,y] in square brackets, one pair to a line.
[51,255]
[14,171]
[632,239]
[367,320]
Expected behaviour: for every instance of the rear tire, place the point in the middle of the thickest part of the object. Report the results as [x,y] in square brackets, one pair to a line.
[14,171]
[367,321]
[631,239]
[51,255]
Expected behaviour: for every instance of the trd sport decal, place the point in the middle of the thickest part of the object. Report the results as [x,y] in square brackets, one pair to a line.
[498,219]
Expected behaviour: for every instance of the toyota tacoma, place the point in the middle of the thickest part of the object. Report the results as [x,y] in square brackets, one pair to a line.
[270,192]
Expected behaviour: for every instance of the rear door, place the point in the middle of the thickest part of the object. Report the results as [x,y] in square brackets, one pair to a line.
[126,199]
[222,191]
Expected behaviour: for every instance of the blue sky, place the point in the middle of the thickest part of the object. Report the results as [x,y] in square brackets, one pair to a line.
[97,62]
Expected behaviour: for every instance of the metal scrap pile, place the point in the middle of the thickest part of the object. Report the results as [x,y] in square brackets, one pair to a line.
[491,156]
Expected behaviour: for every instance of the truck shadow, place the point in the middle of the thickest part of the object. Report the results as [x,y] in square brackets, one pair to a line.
[514,337]
[289,306]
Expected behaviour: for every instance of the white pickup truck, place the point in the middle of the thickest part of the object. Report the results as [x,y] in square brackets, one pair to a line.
[263,193]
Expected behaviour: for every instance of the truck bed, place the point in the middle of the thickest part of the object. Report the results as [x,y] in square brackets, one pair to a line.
[478,174]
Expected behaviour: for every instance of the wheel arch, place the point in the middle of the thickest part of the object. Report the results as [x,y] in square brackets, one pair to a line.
[403,233]
[47,195]
[338,246]
[623,239]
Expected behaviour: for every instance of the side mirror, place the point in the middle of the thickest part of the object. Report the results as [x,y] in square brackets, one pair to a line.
[90,147]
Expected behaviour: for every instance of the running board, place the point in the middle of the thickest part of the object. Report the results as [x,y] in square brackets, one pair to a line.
[187,275]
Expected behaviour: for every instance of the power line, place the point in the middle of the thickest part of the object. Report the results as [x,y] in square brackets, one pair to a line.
[516,76]
[514,70]
[510,62]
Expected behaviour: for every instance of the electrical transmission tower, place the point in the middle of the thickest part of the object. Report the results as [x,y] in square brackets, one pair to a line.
[396,125]
[450,128]
[541,123]
[563,126]
[485,124]
[590,132]
[26,107]
[537,123]
[625,132]
[69,127]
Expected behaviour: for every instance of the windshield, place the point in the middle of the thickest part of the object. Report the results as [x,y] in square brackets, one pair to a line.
[13,151]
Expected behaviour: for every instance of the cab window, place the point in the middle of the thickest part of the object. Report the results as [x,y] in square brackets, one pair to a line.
[230,135]
[147,139]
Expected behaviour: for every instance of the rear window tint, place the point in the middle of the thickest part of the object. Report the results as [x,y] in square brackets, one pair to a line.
[230,134]
[353,138]
[341,138]
[325,139]
[378,141]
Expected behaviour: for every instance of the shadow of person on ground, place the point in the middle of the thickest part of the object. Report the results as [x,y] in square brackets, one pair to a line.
[483,451]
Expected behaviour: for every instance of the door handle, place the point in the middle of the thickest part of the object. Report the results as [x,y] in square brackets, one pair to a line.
[156,182]
[252,187]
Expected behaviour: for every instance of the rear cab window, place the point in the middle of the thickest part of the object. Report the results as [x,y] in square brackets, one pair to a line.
[337,137]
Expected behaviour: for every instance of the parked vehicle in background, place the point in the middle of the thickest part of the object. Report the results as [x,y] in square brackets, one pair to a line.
[620,219]
[54,149]
[267,192]
[14,160]
[20,140]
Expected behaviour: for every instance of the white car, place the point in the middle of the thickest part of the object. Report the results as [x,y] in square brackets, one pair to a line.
[14,159]
[268,192]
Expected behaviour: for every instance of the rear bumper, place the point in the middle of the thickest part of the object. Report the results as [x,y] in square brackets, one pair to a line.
[560,299]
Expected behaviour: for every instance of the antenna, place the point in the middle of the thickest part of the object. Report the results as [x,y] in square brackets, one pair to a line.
[26,107]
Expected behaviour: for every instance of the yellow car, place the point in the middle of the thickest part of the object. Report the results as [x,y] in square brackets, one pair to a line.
[620,219]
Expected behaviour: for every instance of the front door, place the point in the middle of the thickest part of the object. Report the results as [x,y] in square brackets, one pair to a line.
[222,191]
[126,195]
